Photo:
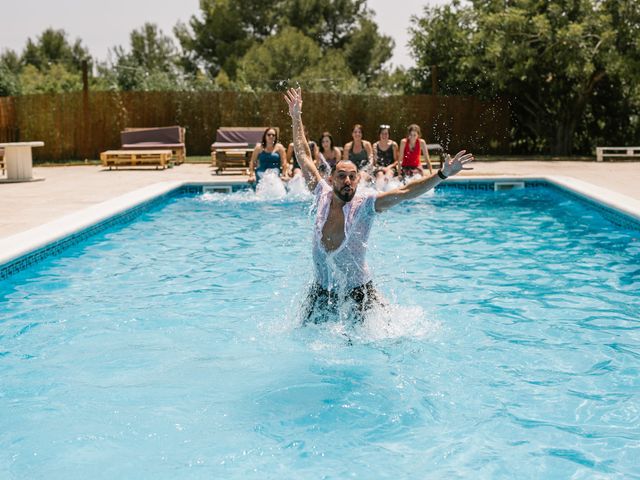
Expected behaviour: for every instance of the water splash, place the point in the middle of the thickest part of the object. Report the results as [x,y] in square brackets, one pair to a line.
[270,189]
[395,322]
[270,186]
[297,188]
[388,321]
[385,323]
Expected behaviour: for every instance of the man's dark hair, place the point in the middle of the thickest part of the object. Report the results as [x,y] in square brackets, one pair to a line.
[335,165]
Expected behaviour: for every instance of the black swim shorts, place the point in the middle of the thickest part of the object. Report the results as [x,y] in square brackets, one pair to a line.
[322,304]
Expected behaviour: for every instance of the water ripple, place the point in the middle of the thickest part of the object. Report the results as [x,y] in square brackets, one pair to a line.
[174,344]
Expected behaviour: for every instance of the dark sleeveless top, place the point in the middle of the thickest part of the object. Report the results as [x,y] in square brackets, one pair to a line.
[360,159]
[268,160]
[384,157]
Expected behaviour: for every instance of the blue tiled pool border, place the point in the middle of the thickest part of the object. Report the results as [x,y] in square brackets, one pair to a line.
[58,246]
[28,259]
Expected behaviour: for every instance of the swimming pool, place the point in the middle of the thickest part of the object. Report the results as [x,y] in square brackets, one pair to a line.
[169,347]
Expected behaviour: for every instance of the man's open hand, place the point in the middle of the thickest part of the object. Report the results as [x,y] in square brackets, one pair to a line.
[293,97]
[451,166]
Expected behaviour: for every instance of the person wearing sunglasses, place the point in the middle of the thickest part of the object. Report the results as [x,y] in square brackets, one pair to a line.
[268,155]
[385,156]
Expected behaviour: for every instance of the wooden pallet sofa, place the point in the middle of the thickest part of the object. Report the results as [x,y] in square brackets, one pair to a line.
[617,152]
[156,138]
[136,158]
[233,147]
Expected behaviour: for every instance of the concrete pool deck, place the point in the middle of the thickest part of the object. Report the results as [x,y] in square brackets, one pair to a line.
[68,190]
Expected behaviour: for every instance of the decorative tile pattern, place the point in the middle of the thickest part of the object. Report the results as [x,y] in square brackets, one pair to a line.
[487,185]
[191,189]
[197,189]
[481,185]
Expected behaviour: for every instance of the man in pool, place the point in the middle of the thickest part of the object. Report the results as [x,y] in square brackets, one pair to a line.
[343,222]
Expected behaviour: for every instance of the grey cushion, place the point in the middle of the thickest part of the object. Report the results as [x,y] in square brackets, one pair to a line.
[160,135]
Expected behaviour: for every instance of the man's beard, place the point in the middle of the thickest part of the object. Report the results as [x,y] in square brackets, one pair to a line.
[344,196]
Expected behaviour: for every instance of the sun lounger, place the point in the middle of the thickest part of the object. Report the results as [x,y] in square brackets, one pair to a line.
[160,138]
[435,147]
[233,147]
[617,152]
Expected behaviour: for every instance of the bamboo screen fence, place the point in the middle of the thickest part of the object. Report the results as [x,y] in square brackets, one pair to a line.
[80,125]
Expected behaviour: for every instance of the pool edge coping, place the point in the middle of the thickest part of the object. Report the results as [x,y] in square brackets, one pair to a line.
[22,244]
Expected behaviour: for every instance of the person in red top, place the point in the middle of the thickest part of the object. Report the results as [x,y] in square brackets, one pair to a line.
[411,148]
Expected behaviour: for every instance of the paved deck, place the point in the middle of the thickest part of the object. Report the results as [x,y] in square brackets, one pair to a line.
[67,190]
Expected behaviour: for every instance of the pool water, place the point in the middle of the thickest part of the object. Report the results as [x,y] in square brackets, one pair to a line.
[171,347]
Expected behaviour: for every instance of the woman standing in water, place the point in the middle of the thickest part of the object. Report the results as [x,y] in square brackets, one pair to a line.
[269,154]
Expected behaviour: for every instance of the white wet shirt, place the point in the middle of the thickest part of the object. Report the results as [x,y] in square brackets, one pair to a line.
[344,267]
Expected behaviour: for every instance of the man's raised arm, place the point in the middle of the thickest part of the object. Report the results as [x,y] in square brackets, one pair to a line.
[450,167]
[293,98]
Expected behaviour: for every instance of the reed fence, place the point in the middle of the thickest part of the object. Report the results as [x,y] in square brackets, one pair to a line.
[80,125]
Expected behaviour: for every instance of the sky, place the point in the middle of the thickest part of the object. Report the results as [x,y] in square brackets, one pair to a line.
[101,24]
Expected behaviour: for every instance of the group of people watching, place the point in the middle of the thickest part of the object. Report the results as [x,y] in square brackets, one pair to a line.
[381,161]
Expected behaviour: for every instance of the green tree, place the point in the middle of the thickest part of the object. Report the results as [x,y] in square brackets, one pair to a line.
[53,47]
[550,58]
[367,50]
[343,25]
[49,64]
[227,30]
[11,60]
[55,78]
[330,22]
[443,37]
[9,74]
[150,64]
[150,49]
[290,57]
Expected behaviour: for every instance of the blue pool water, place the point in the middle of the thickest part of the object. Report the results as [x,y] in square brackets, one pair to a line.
[171,347]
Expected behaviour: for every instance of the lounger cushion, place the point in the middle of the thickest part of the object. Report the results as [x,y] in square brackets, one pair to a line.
[147,145]
[156,136]
[251,137]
